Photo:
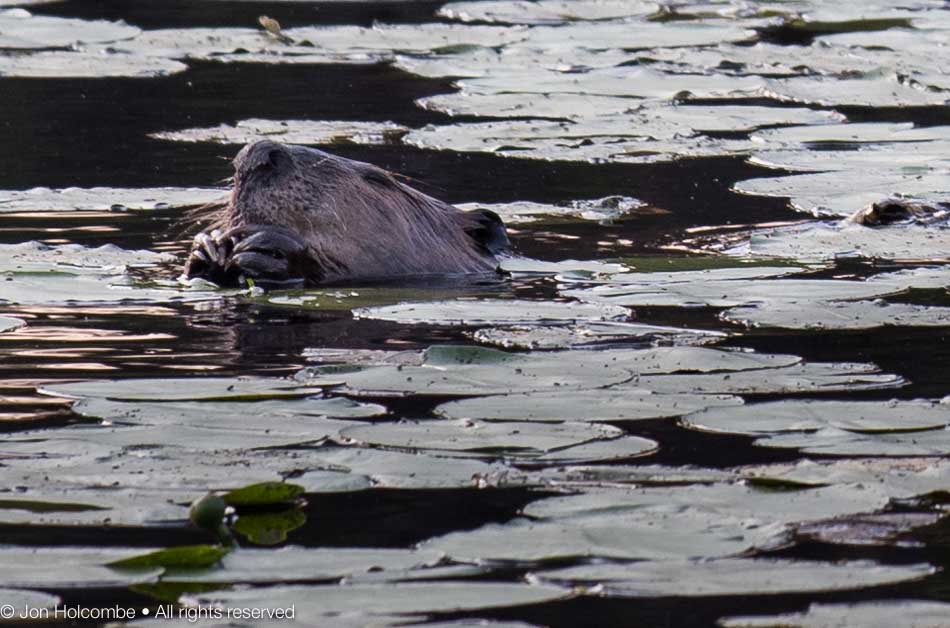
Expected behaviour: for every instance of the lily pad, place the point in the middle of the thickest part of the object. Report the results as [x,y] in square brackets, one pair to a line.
[736,576]
[819,242]
[810,415]
[797,378]
[70,568]
[263,494]
[475,370]
[600,405]
[835,315]
[7,323]
[37,257]
[291,131]
[34,600]
[589,335]
[407,38]
[421,470]
[876,614]
[546,11]
[713,504]
[833,442]
[89,288]
[361,600]
[484,312]
[21,30]
[490,440]
[188,389]
[289,564]
[899,477]
[599,209]
[184,557]
[103,199]
[524,541]
[450,370]
[731,293]
[58,64]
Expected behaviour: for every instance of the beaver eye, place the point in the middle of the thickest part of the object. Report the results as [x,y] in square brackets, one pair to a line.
[274,159]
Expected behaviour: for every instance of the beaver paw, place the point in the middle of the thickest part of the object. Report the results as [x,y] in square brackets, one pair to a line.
[209,259]
[267,254]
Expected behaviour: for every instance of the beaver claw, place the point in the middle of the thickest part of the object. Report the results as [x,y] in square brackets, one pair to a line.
[269,255]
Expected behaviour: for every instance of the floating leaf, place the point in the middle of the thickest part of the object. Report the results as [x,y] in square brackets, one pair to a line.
[835,315]
[37,257]
[263,494]
[883,614]
[331,601]
[186,389]
[736,576]
[489,440]
[590,335]
[21,30]
[184,557]
[600,405]
[291,132]
[809,415]
[483,312]
[104,199]
[607,208]
[7,323]
[61,64]
[70,568]
[288,564]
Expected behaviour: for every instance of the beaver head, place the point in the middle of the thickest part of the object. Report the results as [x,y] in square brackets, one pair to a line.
[297,214]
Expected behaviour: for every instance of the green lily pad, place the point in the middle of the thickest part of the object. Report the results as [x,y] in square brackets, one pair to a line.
[875,614]
[288,564]
[833,442]
[545,11]
[731,293]
[819,242]
[263,494]
[418,470]
[797,378]
[590,335]
[8,323]
[737,576]
[483,312]
[809,415]
[184,557]
[290,131]
[24,31]
[600,405]
[488,440]
[835,315]
[524,541]
[61,64]
[900,478]
[71,568]
[188,389]
[36,257]
[103,198]
[369,600]
[601,209]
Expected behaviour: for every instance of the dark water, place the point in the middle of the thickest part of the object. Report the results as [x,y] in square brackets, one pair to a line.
[87,132]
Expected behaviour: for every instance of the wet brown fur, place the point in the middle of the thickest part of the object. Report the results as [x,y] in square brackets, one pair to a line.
[358,221]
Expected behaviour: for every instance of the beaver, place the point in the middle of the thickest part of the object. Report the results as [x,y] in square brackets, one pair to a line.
[300,216]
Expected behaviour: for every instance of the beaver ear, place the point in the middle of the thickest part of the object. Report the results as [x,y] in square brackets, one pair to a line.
[487,229]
